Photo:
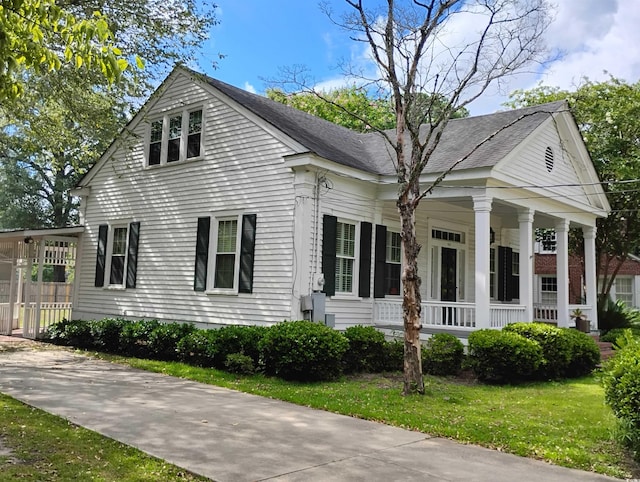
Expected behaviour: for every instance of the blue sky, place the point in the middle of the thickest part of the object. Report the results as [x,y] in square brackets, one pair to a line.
[259,36]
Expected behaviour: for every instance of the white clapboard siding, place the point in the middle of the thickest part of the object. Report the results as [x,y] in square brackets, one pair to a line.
[528,166]
[241,169]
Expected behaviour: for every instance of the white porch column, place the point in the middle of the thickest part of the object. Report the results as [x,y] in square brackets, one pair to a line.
[482,209]
[525,220]
[591,280]
[562,271]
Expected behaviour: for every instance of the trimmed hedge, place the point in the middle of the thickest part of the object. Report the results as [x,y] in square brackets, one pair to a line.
[237,339]
[303,351]
[164,339]
[442,355]
[621,380]
[134,338]
[366,351]
[503,356]
[198,348]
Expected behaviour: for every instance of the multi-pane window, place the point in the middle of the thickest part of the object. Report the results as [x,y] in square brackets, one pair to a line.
[195,133]
[345,256]
[226,248]
[175,137]
[155,144]
[175,134]
[549,290]
[515,273]
[118,256]
[393,260]
[624,290]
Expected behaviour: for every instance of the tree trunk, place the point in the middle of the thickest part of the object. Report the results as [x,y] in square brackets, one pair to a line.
[411,304]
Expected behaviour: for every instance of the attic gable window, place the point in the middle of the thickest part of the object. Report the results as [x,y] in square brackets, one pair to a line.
[177,136]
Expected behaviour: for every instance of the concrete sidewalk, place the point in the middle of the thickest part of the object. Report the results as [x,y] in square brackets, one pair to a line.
[232,436]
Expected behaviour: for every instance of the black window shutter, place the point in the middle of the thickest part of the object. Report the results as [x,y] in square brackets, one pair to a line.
[132,254]
[247,250]
[505,274]
[380,262]
[202,254]
[329,226]
[364,270]
[101,257]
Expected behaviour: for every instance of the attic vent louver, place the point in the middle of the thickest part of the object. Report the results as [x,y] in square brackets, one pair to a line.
[548,158]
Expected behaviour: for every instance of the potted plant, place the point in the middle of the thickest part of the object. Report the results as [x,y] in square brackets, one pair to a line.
[582,323]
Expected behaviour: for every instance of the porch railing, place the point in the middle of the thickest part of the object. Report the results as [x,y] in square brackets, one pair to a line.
[549,313]
[442,314]
[49,313]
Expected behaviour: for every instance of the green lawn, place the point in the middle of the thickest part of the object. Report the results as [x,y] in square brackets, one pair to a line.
[566,423]
[37,446]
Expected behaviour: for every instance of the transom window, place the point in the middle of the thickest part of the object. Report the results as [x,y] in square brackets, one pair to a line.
[345,256]
[393,260]
[447,235]
[175,137]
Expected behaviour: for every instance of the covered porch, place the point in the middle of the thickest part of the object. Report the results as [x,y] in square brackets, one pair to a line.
[37,270]
[477,259]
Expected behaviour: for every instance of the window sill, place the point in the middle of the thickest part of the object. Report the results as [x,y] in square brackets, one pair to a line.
[220,291]
[346,296]
[174,163]
[115,288]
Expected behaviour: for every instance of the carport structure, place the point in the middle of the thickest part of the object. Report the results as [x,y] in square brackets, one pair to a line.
[29,305]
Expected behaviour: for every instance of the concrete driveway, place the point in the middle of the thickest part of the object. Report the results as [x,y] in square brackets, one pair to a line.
[232,436]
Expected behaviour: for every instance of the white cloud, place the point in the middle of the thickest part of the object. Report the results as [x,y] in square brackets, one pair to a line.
[249,88]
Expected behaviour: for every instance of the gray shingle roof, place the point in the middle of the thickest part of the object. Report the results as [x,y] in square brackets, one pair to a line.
[369,152]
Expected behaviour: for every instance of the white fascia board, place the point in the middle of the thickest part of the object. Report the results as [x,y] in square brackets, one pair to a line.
[41,233]
[311,160]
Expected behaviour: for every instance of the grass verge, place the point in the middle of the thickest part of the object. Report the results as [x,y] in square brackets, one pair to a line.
[35,445]
[565,423]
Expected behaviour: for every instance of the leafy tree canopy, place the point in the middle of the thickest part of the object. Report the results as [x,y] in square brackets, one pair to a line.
[41,35]
[608,115]
[352,108]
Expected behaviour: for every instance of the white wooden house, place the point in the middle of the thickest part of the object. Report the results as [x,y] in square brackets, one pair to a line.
[218,206]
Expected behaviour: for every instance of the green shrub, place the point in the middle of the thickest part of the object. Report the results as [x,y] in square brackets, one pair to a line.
[612,336]
[442,355]
[106,334]
[621,380]
[556,344]
[238,339]
[198,348]
[134,338]
[240,364]
[585,353]
[366,349]
[503,357]
[164,338]
[57,333]
[303,350]
[70,333]
[615,314]
[393,356]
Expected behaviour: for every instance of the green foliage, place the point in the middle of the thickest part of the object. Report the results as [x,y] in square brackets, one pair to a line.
[621,380]
[41,36]
[106,334]
[240,364]
[70,333]
[442,355]
[566,352]
[352,108]
[134,337]
[393,356]
[303,350]
[237,339]
[503,357]
[616,314]
[366,349]
[163,340]
[612,336]
[198,348]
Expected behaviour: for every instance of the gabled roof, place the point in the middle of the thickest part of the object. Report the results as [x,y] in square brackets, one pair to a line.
[371,153]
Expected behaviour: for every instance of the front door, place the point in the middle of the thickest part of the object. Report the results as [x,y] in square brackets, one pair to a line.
[448,275]
[448,284]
